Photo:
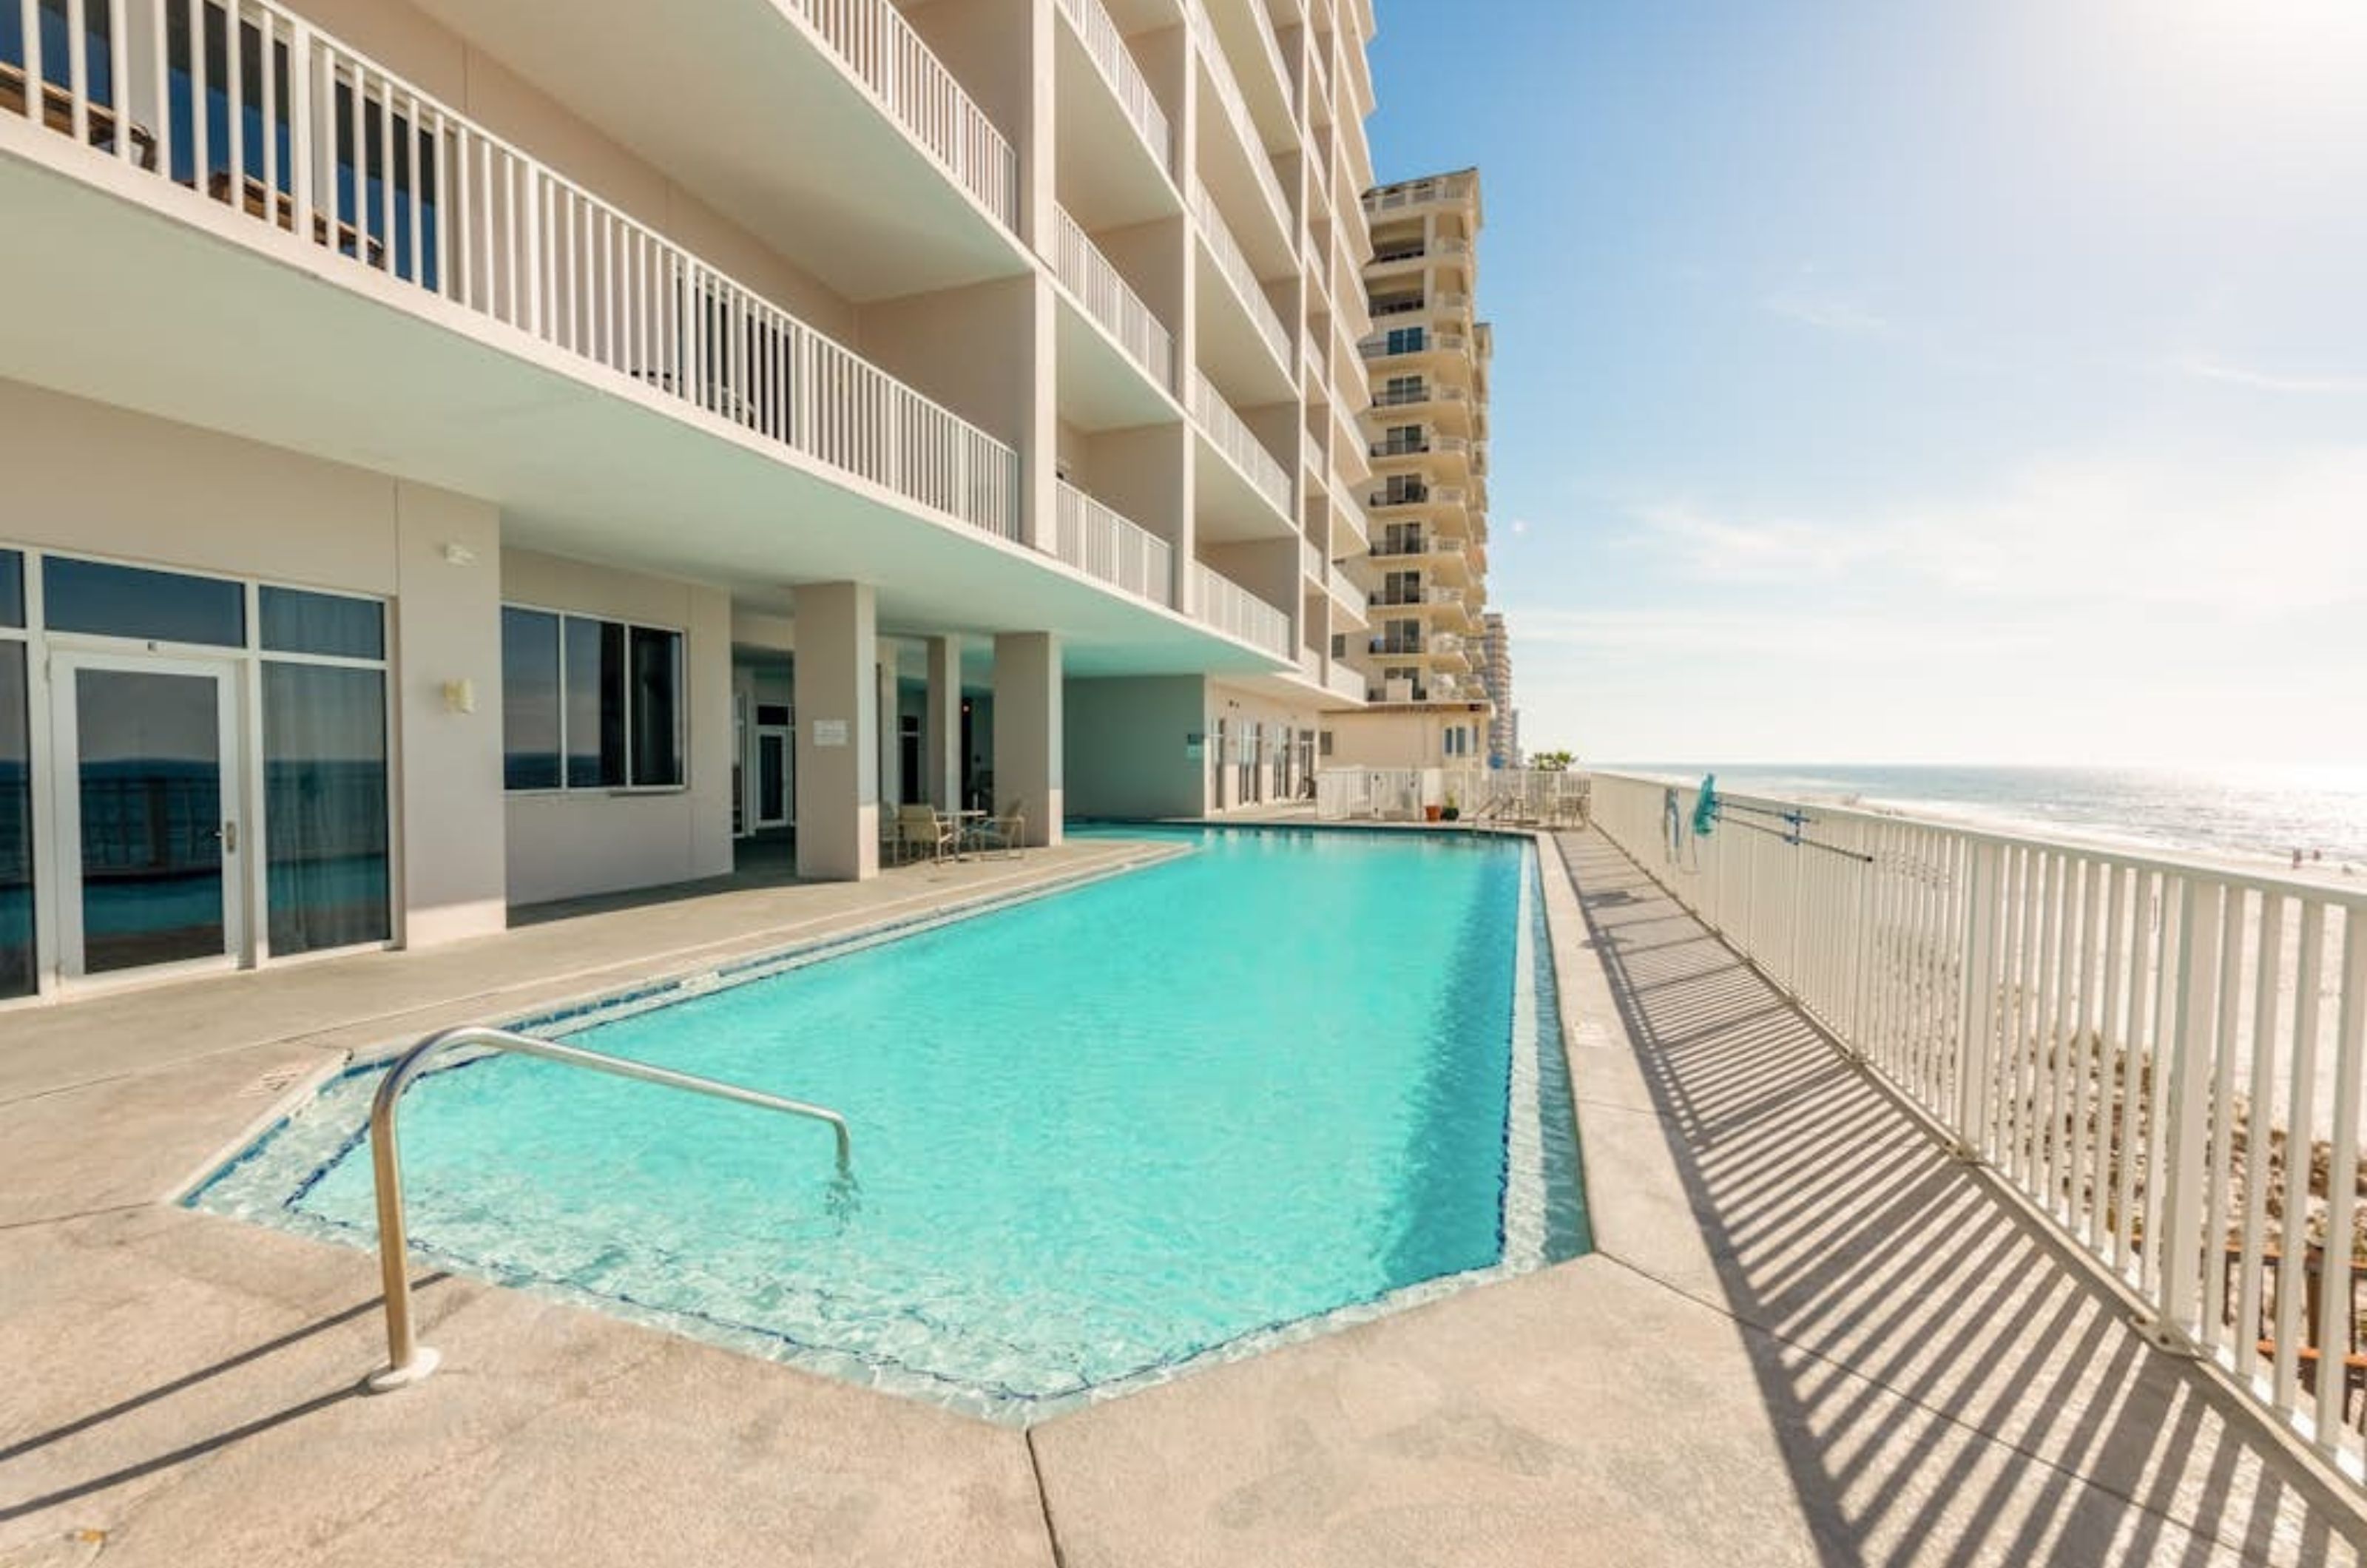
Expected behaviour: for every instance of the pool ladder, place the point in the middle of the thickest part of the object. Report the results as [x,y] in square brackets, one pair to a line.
[408,1360]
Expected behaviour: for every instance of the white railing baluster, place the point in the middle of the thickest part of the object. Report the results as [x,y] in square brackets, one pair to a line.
[78,72]
[2108,1031]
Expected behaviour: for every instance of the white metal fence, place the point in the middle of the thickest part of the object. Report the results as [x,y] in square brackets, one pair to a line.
[1100,542]
[2164,1056]
[1480,796]
[279,120]
[921,95]
[1233,609]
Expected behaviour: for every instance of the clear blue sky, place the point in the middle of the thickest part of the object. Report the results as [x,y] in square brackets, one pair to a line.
[1887,381]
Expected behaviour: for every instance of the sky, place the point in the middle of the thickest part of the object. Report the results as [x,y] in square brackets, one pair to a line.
[1881,382]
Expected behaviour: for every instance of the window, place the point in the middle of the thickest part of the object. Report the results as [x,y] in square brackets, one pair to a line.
[12,589]
[1406,340]
[330,624]
[589,703]
[1325,743]
[1457,740]
[133,602]
[1401,389]
[18,966]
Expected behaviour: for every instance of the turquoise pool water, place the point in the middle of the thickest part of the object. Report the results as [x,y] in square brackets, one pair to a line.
[1098,1133]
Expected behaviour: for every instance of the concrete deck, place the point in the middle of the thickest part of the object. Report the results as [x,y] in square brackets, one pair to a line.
[1806,1337]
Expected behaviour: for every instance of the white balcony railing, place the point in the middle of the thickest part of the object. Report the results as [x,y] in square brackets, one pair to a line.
[1107,47]
[1345,683]
[1381,347]
[1221,426]
[1310,667]
[1310,358]
[487,227]
[1342,588]
[1414,193]
[1100,542]
[882,48]
[1088,275]
[1235,611]
[1311,559]
[2135,1042]
[1237,110]
[1235,264]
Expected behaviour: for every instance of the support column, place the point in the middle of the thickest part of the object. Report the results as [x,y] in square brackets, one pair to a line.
[838,732]
[891,732]
[941,756]
[1027,738]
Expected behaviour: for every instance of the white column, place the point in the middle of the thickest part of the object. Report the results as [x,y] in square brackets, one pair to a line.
[838,732]
[891,732]
[1027,731]
[941,756]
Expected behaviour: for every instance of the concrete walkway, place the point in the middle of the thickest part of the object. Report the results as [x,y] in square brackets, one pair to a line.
[1807,1337]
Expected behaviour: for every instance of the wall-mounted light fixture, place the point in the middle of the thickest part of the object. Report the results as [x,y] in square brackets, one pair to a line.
[459,555]
[460,696]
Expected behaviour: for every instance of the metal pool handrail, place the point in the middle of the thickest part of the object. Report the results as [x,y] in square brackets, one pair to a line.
[408,1361]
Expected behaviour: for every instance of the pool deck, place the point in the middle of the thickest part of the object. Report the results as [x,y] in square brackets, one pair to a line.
[1807,1337]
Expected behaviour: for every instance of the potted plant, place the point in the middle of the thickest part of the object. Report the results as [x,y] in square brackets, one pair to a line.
[1430,811]
[1454,809]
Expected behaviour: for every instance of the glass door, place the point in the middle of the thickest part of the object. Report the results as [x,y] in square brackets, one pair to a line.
[148,818]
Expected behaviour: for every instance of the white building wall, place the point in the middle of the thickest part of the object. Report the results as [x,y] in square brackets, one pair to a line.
[104,481]
[568,844]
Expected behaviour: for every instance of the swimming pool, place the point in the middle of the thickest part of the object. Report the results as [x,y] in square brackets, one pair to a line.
[1287,1079]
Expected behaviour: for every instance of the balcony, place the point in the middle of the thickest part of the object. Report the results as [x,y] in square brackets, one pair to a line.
[1241,280]
[1239,614]
[1245,148]
[1345,683]
[1247,494]
[1106,47]
[1268,86]
[1104,296]
[1382,346]
[1103,544]
[513,244]
[918,193]
[1405,196]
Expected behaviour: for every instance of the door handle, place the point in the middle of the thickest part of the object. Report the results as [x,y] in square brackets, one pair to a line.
[229,836]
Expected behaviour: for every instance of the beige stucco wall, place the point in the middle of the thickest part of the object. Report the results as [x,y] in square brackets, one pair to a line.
[1400,737]
[103,481]
[568,844]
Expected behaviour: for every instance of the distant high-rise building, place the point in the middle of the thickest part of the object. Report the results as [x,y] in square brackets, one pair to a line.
[1425,567]
[1495,674]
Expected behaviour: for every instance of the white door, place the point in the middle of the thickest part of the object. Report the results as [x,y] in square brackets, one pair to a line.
[148,833]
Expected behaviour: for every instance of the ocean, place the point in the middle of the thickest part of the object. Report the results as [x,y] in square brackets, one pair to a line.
[2258,815]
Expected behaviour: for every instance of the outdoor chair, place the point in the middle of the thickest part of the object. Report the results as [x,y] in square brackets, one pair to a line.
[1005,834]
[921,832]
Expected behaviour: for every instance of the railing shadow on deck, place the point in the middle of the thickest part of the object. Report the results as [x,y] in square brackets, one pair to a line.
[1947,1382]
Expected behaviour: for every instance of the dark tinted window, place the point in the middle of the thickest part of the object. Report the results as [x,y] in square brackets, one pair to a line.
[657,700]
[16,967]
[595,702]
[298,622]
[133,602]
[12,589]
[529,699]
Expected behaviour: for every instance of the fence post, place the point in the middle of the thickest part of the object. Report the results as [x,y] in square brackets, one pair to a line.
[1979,1033]
[2181,1251]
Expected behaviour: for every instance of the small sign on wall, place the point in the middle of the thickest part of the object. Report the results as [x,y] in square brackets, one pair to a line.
[829,732]
[1193,741]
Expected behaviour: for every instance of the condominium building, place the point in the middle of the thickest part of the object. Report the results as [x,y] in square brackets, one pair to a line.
[1425,569]
[461,454]
[1495,675]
